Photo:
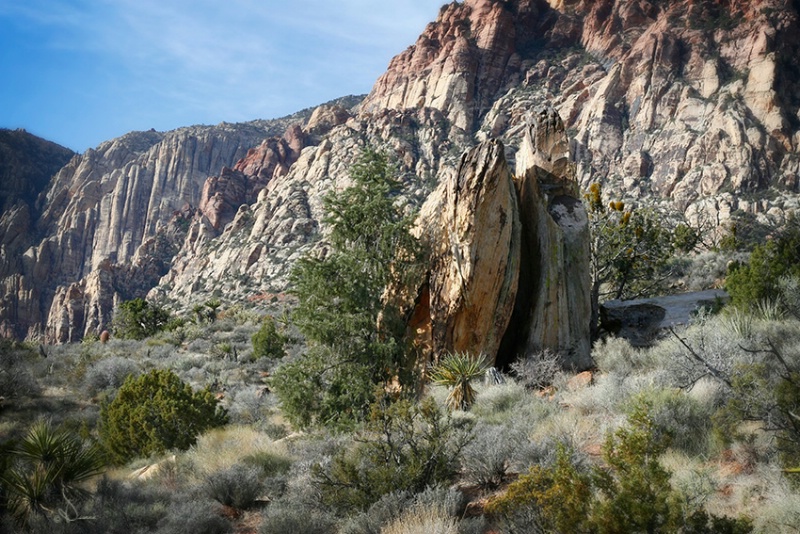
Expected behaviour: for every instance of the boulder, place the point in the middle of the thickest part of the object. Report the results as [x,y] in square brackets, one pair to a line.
[509,267]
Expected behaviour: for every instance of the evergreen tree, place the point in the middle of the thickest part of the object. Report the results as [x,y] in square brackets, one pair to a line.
[354,338]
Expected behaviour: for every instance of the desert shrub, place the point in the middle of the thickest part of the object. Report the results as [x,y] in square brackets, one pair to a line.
[109,373]
[510,402]
[188,516]
[616,355]
[707,348]
[546,499]
[268,342]
[491,453]
[138,319]
[422,521]
[155,412]
[473,525]
[759,279]
[380,513]
[779,514]
[706,269]
[238,486]
[789,291]
[631,492]
[538,370]
[767,391]
[117,508]
[446,502]
[283,517]
[16,378]
[268,463]
[406,446]
[248,405]
[678,415]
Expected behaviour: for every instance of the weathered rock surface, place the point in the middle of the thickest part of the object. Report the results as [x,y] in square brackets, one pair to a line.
[554,304]
[103,207]
[472,225]
[688,102]
[509,270]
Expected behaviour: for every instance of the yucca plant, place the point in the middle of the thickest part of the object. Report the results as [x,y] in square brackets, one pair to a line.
[45,472]
[457,371]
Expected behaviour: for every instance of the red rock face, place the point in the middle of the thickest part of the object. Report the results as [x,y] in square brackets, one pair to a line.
[691,102]
[222,195]
[657,76]
[456,65]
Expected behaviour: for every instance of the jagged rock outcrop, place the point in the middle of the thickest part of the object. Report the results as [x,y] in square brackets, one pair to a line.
[103,207]
[249,261]
[690,103]
[471,223]
[553,307]
[223,195]
[509,268]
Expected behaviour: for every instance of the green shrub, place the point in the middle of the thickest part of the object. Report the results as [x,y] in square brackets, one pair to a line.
[406,446]
[547,499]
[678,415]
[155,412]
[268,342]
[631,492]
[760,278]
[138,319]
[767,391]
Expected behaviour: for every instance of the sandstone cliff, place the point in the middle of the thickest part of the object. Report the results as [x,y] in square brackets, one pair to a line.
[692,101]
[689,102]
[98,212]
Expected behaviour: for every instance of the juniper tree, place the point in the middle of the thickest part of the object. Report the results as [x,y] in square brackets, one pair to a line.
[354,338]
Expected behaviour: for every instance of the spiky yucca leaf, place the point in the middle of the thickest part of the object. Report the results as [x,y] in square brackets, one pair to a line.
[51,464]
[457,371]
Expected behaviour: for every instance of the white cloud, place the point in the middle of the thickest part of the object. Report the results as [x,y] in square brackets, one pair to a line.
[227,60]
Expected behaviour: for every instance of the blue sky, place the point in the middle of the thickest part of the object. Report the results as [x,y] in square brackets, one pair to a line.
[79,72]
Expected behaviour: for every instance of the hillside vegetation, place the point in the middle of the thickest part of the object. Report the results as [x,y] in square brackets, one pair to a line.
[175,428]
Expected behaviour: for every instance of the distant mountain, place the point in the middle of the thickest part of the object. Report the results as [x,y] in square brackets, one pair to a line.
[687,102]
[27,163]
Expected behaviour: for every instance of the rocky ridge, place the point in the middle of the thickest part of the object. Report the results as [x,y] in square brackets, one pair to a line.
[690,103]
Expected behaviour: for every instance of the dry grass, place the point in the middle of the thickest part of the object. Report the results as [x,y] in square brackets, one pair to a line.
[422,520]
[222,448]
